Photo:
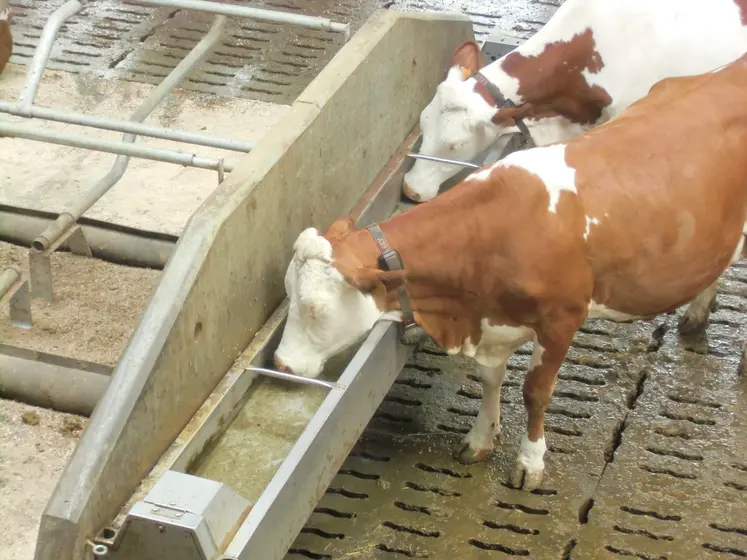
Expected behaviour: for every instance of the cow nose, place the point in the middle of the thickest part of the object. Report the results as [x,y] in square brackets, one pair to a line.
[409,193]
[280,365]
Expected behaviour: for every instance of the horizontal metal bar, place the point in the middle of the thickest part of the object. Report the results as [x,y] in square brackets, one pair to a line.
[115,125]
[57,387]
[112,147]
[442,160]
[293,378]
[117,244]
[44,48]
[253,13]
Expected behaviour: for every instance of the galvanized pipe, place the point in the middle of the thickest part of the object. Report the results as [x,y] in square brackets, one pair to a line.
[293,378]
[127,148]
[253,13]
[132,127]
[442,160]
[50,386]
[41,54]
[9,276]
[113,147]
[131,248]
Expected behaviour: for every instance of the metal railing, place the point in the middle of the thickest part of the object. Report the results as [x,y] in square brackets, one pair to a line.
[65,228]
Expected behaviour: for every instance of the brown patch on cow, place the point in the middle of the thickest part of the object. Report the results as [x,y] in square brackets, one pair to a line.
[468,56]
[742,5]
[552,83]
[651,256]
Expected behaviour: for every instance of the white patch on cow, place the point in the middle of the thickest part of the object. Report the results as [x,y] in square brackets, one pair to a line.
[589,222]
[599,311]
[537,352]
[488,422]
[737,255]
[497,343]
[325,313]
[531,454]
[547,163]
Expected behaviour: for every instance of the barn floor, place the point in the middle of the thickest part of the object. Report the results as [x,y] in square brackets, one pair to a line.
[648,441]
[647,459]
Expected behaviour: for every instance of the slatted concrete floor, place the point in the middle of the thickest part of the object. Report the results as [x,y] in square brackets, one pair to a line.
[647,459]
[255,60]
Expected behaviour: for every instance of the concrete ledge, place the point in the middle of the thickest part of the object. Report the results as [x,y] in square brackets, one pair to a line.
[226,274]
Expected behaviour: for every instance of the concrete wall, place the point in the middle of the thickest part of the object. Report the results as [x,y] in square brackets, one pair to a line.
[226,275]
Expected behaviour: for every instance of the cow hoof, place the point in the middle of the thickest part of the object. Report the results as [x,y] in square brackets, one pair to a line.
[469,456]
[691,324]
[526,478]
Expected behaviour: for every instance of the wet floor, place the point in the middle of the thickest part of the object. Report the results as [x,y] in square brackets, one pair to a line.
[647,456]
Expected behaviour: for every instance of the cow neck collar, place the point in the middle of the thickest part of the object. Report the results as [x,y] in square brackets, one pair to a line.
[390,259]
[492,95]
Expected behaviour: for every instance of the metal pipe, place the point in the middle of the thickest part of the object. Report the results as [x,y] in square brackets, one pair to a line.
[127,147]
[442,160]
[115,125]
[113,147]
[41,54]
[293,378]
[253,13]
[50,386]
[117,244]
[8,277]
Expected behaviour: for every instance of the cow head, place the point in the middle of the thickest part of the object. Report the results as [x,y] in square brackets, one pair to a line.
[457,124]
[332,303]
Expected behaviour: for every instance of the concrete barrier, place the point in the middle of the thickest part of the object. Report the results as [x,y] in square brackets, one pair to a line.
[226,274]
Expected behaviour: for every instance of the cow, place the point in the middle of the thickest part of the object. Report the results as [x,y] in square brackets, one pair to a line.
[590,61]
[626,221]
[6,39]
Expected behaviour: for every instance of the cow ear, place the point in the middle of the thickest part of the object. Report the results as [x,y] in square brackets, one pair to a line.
[339,228]
[505,115]
[468,57]
[368,280]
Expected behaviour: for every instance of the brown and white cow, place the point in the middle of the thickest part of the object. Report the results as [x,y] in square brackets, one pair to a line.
[6,39]
[590,61]
[629,220]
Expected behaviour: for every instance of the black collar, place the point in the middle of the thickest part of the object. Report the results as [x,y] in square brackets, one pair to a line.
[390,259]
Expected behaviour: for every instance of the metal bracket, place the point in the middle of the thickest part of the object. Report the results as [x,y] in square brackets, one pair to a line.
[498,45]
[77,243]
[40,265]
[183,516]
[16,288]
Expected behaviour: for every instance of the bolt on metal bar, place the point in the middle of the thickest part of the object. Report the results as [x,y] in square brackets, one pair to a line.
[41,54]
[140,129]
[442,160]
[293,378]
[113,147]
[252,13]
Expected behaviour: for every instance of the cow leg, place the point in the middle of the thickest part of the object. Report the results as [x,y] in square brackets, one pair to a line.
[538,387]
[743,361]
[695,318]
[478,443]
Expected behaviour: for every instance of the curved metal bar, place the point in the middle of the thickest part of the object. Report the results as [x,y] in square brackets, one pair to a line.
[293,378]
[41,55]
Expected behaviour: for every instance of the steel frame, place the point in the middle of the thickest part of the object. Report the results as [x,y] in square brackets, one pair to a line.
[65,230]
